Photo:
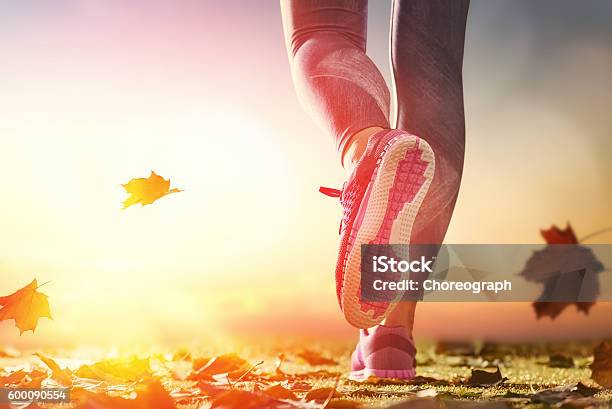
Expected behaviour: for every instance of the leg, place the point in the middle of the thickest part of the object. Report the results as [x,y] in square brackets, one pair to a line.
[427,55]
[344,91]
[334,78]
[402,315]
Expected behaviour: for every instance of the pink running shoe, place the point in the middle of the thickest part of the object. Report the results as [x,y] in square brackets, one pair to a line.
[380,201]
[384,352]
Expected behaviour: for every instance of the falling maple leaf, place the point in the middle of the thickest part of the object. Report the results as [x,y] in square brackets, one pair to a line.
[555,235]
[147,190]
[568,273]
[25,306]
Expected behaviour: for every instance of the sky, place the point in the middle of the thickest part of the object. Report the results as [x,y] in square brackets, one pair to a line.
[96,92]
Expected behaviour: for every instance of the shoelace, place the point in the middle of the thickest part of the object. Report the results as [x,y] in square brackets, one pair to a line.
[331,192]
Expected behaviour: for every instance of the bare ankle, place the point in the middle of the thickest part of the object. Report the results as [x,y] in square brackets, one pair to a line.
[402,315]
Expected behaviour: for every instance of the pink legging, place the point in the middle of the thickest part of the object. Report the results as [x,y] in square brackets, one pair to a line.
[345,92]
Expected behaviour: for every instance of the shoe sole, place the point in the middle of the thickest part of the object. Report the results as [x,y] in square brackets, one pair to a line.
[396,190]
[374,374]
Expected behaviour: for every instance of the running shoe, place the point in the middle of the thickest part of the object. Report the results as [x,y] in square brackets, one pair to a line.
[384,352]
[380,202]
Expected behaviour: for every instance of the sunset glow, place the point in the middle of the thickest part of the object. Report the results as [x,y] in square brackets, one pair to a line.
[96,93]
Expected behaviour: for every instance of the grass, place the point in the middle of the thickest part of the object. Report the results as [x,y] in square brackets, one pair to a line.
[527,368]
[525,365]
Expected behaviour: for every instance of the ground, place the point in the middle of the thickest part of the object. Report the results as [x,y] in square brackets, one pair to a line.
[305,374]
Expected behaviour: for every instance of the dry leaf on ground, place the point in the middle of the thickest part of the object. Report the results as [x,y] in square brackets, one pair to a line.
[239,399]
[13,378]
[562,393]
[149,395]
[206,369]
[62,376]
[486,378]
[343,404]
[321,394]
[116,370]
[279,392]
[602,364]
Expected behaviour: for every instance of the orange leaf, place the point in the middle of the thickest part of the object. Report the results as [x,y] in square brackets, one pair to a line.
[150,395]
[206,368]
[25,306]
[279,392]
[33,380]
[343,404]
[147,190]
[62,376]
[239,399]
[321,394]
[13,378]
[555,235]
[577,265]
[602,364]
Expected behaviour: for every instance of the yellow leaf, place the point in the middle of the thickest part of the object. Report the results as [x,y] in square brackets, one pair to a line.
[116,370]
[25,306]
[147,190]
[62,376]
